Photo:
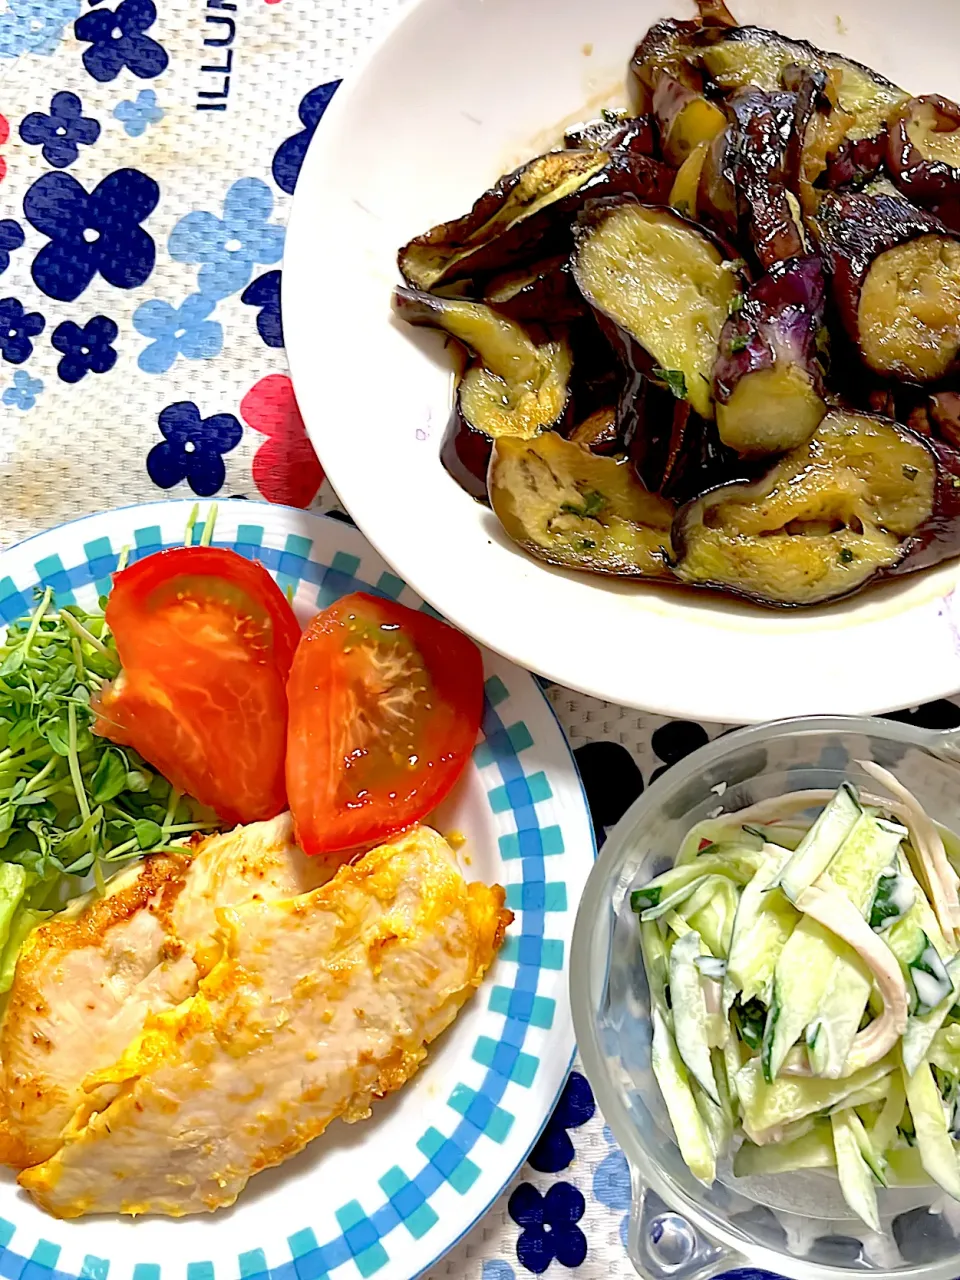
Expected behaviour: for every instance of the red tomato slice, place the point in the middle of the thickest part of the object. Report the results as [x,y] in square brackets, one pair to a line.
[206,639]
[385,704]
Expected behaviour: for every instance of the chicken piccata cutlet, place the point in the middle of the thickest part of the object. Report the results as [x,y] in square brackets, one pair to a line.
[214,1012]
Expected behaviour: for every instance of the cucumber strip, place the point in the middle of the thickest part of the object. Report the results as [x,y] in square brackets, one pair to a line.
[873,1158]
[688,1126]
[812,1150]
[821,843]
[720,833]
[840,1014]
[937,1152]
[766,1107]
[761,927]
[690,1018]
[670,901]
[801,977]
[654,953]
[856,1181]
[732,1062]
[929,977]
[711,911]
[894,898]
[738,863]
[814,962]
[673,920]
[871,1093]
[719,1119]
[905,1168]
[921,1028]
[945,1049]
[885,1130]
[834,911]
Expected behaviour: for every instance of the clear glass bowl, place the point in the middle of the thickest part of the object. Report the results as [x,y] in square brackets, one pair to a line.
[796,1224]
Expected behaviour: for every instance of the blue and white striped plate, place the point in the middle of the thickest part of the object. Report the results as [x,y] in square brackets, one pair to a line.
[389,1196]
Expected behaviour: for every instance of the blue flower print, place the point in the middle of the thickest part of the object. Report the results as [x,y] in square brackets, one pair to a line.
[86,349]
[62,132]
[136,116]
[554,1150]
[90,233]
[227,248]
[497,1269]
[34,26]
[193,448]
[549,1226]
[117,40]
[611,1183]
[11,238]
[264,292]
[289,156]
[183,330]
[23,394]
[18,328]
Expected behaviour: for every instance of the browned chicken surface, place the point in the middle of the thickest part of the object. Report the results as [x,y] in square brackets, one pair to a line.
[87,978]
[214,1013]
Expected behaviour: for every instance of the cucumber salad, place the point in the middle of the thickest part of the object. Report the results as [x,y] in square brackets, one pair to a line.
[804,979]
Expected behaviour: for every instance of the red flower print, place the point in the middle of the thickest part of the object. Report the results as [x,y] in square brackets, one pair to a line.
[285,468]
[4,135]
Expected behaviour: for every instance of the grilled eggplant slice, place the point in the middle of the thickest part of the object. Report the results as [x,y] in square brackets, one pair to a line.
[924,155]
[614,131]
[863,99]
[514,385]
[571,508]
[661,289]
[749,176]
[686,118]
[768,384]
[527,215]
[673,88]
[754,56]
[674,451]
[853,503]
[765,150]
[598,432]
[544,292]
[896,283]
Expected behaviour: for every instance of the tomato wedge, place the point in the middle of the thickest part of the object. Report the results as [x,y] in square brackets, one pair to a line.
[385,704]
[206,639]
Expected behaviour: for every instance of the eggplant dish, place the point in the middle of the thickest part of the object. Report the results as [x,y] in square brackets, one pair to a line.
[714,339]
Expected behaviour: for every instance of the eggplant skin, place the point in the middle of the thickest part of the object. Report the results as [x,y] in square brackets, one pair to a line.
[755,56]
[614,131]
[923,155]
[661,288]
[568,507]
[518,382]
[528,215]
[939,538]
[768,383]
[598,432]
[544,292]
[896,283]
[674,451]
[763,150]
[858,501]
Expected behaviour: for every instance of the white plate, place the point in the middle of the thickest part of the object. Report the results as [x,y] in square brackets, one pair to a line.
[457,92]
[389,1196]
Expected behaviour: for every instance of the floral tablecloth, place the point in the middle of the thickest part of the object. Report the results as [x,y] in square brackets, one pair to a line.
[147,161]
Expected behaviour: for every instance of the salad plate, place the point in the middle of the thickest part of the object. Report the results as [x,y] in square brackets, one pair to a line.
[388,1196]
[376,396]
